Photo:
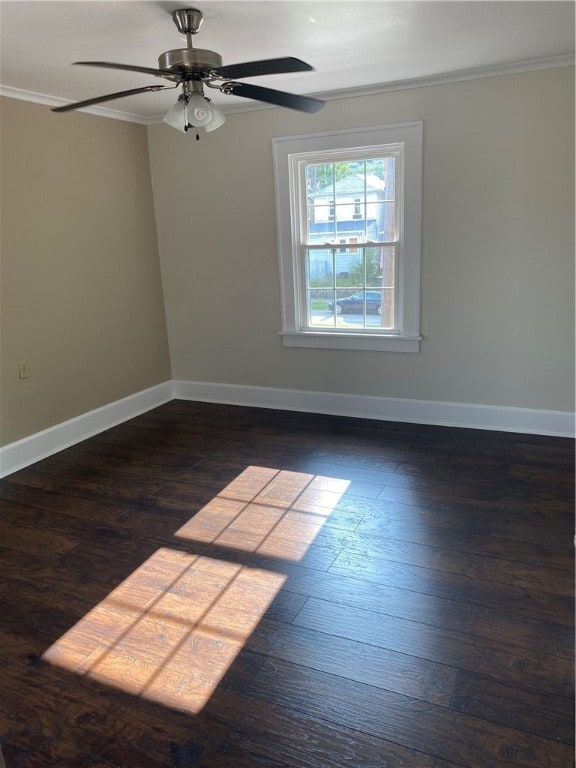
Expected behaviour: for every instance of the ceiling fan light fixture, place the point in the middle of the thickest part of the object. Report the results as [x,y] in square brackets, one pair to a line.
[218,119]
[177,116]
[194,112]
[200,110]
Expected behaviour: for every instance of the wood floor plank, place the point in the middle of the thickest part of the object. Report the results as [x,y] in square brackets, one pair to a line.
[358,593]
[439,763]
[408,553]
[465,544]
[542,578]
[307,742]
[364,663]
[471,514]
[93,485]
[543,636]
[541,455]
[551,475]
[535,532]
[18,515]
[476,591]
[61,503]
[527,710]
[12,539]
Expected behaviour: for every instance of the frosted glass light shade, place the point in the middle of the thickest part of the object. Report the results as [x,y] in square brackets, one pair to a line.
[199,111]
[177,117]
[218,119]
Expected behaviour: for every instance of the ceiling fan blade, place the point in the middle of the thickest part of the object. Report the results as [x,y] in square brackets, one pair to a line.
[281,98]
[128,67]
[264,67]
[109,97]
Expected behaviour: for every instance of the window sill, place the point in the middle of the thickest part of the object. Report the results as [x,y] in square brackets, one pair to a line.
[357,341]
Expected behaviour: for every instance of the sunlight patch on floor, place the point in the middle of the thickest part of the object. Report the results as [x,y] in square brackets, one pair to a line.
[270,512]
[171,630]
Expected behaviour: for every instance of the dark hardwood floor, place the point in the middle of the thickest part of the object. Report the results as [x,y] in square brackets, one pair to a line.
[211,586]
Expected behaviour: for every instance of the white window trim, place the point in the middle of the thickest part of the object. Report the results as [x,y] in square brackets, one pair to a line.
[286,151]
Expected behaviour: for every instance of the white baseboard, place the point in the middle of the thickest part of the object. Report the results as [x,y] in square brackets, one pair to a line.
[489,417]
[24,452]
[31,449]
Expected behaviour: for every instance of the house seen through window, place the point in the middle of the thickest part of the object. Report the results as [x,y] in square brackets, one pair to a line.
[348,208]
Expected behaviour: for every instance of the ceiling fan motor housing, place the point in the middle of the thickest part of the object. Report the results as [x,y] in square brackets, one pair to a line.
[189,63]
[193,63]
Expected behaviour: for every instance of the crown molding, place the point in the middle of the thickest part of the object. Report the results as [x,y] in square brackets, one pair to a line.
[54,101]
[343,93]
[477,73]
[455,77]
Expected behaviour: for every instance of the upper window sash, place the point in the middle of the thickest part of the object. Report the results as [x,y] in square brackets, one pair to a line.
[301,201]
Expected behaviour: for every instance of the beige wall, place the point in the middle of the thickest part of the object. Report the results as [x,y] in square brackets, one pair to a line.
[81,297]
[497,258]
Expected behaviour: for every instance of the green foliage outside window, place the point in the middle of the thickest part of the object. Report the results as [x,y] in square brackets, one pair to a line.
[355,277]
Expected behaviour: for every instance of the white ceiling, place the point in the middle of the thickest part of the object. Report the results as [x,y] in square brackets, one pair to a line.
[352,45]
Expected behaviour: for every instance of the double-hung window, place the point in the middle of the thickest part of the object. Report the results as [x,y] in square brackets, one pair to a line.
[349,213]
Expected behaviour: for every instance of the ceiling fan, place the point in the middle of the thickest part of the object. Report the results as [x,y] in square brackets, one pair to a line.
[193,68]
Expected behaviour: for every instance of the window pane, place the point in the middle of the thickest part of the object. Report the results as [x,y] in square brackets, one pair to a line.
[387,258]
[347,308]
[319,176]
[387,309]
[372,267]
[353,308]
[384,218]
[319,268]
[319,308]
[384,168]
[321,224]
[348,269]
